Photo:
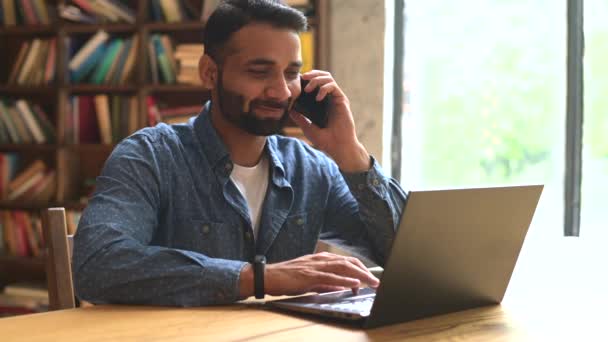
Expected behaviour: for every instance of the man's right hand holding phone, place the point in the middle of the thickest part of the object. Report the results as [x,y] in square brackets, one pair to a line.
[339,138]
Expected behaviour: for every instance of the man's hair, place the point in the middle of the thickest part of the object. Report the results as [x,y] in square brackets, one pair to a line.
[232,15]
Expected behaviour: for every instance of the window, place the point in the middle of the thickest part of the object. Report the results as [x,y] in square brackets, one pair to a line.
[484,98]
[595,127]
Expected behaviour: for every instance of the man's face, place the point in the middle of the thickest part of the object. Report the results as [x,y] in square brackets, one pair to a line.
[259,78]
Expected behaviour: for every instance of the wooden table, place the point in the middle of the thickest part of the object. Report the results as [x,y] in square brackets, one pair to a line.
[239,323]
[551,297]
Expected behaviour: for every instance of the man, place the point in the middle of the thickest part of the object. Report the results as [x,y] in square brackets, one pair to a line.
[180,212]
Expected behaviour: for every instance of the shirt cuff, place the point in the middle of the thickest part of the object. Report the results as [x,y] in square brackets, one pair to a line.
[220,280]
[372,180]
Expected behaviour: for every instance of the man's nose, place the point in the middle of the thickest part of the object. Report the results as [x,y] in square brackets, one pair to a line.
[279,89]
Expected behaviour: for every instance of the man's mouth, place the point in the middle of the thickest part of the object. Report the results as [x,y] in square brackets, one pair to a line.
[269,111]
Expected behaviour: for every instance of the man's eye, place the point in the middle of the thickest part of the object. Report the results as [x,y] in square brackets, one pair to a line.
[292,75]
[258,72]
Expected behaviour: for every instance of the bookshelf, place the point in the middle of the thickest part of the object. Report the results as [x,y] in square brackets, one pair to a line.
[77,163]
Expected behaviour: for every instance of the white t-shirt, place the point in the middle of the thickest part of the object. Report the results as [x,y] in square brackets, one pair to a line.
[252,182]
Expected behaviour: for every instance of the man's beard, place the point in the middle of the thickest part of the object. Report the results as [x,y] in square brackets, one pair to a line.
[231,105]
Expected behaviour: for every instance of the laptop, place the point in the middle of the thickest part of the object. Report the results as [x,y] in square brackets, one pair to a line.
[454,250]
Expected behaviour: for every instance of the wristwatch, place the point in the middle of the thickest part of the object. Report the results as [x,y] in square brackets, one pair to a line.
[259,263]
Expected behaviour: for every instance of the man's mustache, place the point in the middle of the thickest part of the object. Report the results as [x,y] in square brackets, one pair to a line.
[271,104]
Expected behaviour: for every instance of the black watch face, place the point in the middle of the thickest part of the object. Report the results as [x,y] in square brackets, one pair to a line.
[260,259]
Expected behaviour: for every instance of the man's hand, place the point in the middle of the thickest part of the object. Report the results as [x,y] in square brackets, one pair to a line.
[322,272]
[339,138]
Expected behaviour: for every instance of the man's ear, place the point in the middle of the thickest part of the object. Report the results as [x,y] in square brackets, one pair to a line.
[207,70]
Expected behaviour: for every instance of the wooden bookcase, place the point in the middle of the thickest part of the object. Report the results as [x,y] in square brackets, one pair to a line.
[76,162]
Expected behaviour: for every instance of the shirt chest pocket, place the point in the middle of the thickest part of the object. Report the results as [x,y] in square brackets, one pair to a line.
[210,238]
[298,236]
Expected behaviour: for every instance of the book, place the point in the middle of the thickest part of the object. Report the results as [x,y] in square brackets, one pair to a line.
[102,68]
[30,14]
[121,62]
[130,61]
[102,109]
[36,167]
[166,71]
[44,123]
[75,14]
[23,247]
[156,12]
[88,127]
[33,243]
[152,62]
[153,113]
[103,12]
[87,50]
[7,120]
[43,190]
[169,52]
[27,289]
[119,10]
[30,121]
[28,64]
[117,64]
[10,13]
[49,72]
[25,186]
[308,50]
[42,12]
[23,52]
[17,120]
[89,64]
[170,10]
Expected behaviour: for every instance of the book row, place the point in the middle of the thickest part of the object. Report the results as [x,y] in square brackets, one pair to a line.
[35,63]
[24,123]
[41,12]
[35,182]
[26,12]
[21,232]
[100,118]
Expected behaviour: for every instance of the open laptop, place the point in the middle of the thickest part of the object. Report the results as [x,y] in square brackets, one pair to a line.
[454,250]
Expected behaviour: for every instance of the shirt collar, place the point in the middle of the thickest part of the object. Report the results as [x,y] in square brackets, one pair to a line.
[213,147]
[218,156]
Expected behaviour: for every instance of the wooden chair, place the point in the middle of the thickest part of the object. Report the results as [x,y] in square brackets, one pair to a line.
[59,256]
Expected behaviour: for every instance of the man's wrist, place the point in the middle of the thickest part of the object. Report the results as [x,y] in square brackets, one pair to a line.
[354,160]
[246,282]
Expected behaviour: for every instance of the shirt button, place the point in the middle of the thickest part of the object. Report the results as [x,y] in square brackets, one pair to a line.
[300,221]
[361,186]
[375,182]
[205,229]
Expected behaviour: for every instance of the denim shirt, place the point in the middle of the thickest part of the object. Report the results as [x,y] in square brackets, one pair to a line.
[167,226]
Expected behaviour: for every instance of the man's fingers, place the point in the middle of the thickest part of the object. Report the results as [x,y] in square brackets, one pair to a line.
[327,288]
[308,128]
[314,73]
[331,279]
[344,267]
[316,82]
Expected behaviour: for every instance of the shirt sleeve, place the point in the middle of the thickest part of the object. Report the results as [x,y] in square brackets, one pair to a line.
[113,259]
[364,210]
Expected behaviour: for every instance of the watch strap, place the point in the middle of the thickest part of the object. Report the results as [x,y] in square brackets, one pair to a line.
[259,264]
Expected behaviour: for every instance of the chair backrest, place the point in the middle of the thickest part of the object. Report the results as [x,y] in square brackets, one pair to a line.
[59,257]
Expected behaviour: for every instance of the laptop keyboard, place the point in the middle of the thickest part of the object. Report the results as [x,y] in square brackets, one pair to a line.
[362,305]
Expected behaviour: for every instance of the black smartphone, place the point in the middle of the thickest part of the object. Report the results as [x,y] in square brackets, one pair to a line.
[307,105]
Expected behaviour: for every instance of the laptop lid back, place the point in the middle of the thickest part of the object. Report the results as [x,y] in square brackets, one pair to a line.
[455,250]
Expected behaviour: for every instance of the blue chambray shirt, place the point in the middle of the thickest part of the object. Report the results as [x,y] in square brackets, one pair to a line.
[166,225]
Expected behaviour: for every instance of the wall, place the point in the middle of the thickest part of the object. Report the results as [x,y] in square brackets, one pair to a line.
[357,63]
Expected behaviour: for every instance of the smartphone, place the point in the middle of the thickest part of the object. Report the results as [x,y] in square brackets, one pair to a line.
[307,105]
